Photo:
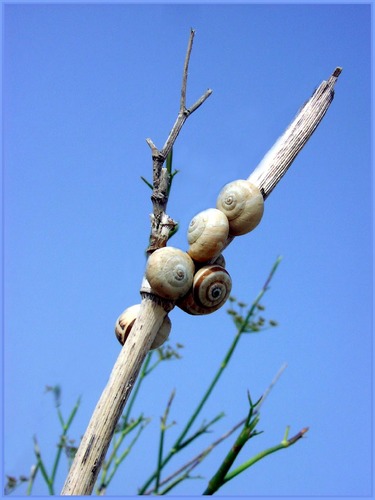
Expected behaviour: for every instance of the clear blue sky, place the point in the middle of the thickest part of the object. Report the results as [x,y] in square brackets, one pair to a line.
[83,87]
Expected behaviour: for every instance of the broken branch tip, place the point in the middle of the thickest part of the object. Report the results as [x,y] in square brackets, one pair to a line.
[337,72]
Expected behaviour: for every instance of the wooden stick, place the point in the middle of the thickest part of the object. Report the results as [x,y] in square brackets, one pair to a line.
[95,442]
[97,438]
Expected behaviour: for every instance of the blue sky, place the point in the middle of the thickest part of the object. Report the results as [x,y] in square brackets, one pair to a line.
[83,86]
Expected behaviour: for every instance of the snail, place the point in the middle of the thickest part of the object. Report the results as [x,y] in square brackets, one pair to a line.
[170,272]
[243,204]
[207,234]
[211,287]
[126,321]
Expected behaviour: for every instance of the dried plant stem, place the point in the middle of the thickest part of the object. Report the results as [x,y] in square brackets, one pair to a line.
[279,158]
[161,223]
[96,440]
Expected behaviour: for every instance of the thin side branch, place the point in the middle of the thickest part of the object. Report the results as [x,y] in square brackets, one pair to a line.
[199,102]
[185,71]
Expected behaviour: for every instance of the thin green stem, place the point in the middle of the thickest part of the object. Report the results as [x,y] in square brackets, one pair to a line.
[65,427]
[201,430]
[169,161]
[177,445]
[246,433]
[117,443]
[175,483]
[59,414]
[32,477]
[163,428]
[285,443]
[146,182]
[42,468]
[223,475]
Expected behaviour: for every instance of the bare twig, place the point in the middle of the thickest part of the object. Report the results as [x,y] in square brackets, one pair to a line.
[270,387]
[186,70]
[161,223]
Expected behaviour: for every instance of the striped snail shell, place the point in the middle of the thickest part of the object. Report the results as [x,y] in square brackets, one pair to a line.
[126,321]
[170,272]
[211,288]
[207,234]
[243,204]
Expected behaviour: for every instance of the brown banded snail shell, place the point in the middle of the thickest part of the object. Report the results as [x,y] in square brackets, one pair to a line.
[126,321]
[243,204]
[211,288]
[207,234]
[170,272]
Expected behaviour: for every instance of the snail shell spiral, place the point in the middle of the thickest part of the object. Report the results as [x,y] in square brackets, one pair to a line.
[207,234]
[126,321]
[243,204]
[211,288]
[170,272]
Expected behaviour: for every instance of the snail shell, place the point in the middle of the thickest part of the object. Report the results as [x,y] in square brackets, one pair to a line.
[126,321]
[207,234]
[243,204]
[170,272]
[211,288]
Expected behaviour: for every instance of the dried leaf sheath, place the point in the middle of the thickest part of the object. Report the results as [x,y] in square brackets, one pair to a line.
[282,154]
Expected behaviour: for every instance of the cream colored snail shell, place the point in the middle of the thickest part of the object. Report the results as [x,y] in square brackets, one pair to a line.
[207,234]
[170,272]
[211,288]
[243,204]
[126,321]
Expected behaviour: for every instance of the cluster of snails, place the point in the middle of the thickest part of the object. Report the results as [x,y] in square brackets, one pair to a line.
[197,280]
